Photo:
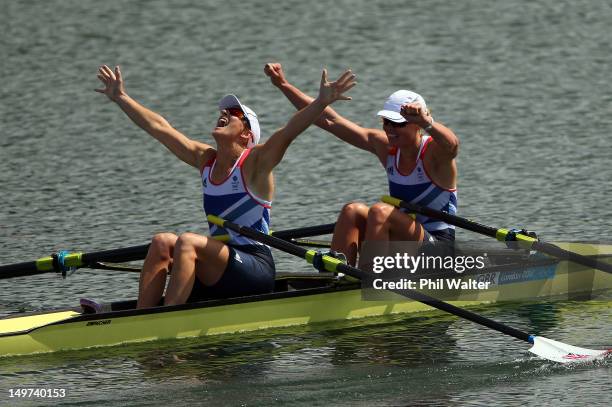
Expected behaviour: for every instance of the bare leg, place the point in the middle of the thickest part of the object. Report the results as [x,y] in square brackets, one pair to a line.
[386,223]
[156,266]
[195,256]
[350,230]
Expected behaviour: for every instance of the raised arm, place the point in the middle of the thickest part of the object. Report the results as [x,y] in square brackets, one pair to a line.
[346,130]
[190,151]
[446,142]
[269,154]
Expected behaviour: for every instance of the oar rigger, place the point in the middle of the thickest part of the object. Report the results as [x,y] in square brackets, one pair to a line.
[317,259]
[59,263]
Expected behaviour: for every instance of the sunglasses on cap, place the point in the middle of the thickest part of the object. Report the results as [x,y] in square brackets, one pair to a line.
[237,112]
[394,124]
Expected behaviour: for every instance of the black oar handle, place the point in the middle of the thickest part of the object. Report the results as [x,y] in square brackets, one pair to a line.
[46,265]
[27,268]
[563,254]
[117,255]
[463,313]
[362,275]
[50,265]
[447,217]
[305,231]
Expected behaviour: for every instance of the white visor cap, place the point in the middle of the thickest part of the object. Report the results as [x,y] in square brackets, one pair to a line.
[232,101]
[393,104]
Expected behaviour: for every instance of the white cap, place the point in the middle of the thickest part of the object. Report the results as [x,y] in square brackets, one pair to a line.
[232,101]
[393,104]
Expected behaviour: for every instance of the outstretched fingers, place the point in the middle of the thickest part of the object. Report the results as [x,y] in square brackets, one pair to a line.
[104,75]
[324,80]
[332,91]
[345,82]
[346,89]
[104,80]
[106,71]
[347,76]
[112,80]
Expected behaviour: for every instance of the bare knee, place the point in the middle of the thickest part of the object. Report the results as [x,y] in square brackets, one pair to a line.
[187,243]
[379,213]
[354,212]
[162,246]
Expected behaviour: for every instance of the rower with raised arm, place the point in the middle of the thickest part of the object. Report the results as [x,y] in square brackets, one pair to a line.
[237,184]
[418,155]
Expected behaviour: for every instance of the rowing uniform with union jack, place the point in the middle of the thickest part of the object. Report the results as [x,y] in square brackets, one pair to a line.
[418,188]
[232,200]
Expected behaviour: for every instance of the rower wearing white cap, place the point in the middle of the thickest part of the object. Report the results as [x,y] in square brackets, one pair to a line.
[237,185]
[418,155]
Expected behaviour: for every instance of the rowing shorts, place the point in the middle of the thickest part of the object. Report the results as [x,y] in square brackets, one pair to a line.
[438,243]
[250,270]
[445,235]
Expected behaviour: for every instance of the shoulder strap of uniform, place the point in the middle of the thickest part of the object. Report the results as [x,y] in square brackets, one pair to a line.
[243,157]
[209,163]
[422,154]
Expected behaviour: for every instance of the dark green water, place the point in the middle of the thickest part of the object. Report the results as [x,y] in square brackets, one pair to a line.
[525,85]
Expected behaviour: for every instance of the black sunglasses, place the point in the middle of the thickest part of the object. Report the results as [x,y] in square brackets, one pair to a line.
[394,124]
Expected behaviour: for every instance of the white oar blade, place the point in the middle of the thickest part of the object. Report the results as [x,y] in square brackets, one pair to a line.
[564,353]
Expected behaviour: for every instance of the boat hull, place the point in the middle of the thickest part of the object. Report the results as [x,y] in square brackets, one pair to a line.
[70,329]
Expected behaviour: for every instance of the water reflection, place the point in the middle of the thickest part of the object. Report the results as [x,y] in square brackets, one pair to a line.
[390,356]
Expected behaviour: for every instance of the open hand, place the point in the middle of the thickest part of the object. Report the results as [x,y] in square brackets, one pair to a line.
[113,83]
[275,71]
[329,92]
